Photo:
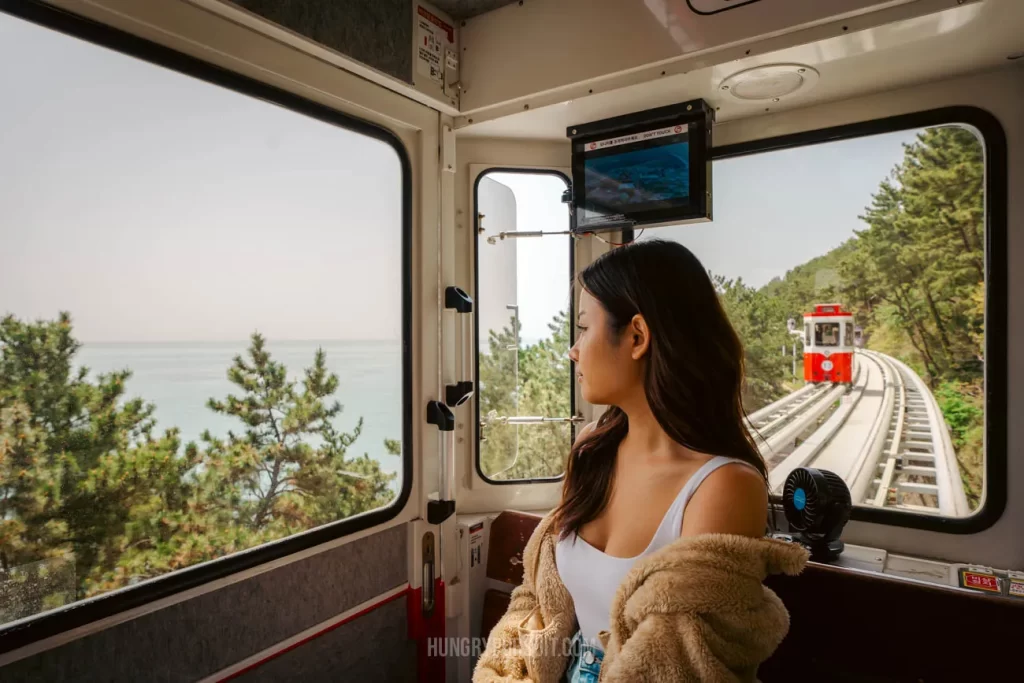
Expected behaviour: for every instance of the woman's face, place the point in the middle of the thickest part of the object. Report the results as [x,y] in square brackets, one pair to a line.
[607,366]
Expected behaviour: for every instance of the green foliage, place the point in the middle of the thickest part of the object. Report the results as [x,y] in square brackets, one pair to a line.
[919,265]
[543,389]
[962,406]
[289,483]
[92,500]
[759,319]
[960,414]
[76,461]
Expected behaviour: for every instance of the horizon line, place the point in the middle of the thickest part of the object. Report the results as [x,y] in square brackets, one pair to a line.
[246,341]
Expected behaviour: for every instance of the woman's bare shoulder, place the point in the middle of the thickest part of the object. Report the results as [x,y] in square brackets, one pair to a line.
[732,500]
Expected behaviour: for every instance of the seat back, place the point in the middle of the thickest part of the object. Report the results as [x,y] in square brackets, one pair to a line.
[510,531]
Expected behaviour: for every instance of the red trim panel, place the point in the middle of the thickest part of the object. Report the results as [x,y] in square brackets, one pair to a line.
[424,628]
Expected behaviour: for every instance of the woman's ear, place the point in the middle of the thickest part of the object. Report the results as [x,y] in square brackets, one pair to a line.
[640,337]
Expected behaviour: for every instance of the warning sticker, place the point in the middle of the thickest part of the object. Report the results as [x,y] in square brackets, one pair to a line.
[1017,588]
[433,36]
[476,543]
[979,581]
[636,137]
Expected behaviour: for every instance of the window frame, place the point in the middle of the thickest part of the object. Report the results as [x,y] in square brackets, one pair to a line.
[24,632]
[993,140]
[476,322]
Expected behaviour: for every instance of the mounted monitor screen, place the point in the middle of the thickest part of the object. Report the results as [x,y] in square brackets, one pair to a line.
[642,169]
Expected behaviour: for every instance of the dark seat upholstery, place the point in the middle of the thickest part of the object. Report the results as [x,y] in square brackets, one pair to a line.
[506,542]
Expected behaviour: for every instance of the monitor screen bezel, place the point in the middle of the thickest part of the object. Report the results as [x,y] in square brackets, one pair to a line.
[697,116]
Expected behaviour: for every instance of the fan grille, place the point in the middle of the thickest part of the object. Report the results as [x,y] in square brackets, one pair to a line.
[801,499]
[837,488]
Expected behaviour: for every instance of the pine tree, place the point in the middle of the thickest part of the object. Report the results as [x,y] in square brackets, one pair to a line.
[921,258]
[76,461]
[289,470]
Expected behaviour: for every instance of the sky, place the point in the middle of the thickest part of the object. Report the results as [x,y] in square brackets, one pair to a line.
[157,207]
[772,212]
[543,281]
[776,210]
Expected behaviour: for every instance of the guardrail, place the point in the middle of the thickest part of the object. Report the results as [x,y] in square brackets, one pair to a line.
[782,403]
[805,418]
[948,484]
[863,471]
[895,441]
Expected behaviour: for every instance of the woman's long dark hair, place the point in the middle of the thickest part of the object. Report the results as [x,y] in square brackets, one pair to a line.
[694,371]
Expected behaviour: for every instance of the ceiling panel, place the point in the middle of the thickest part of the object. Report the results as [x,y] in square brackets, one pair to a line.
[893,56]
[464,9]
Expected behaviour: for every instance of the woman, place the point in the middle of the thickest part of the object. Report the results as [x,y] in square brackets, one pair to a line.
[650,568]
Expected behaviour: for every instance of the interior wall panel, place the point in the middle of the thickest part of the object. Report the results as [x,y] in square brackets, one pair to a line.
[378,33]
[195,638]
[374,647]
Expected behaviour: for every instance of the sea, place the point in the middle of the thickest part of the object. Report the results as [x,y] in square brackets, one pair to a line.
[180,377]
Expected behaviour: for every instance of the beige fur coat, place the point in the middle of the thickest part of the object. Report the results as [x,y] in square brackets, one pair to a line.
[695,610]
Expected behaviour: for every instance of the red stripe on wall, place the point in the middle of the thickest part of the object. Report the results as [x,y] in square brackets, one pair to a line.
[316,635]
[429,669]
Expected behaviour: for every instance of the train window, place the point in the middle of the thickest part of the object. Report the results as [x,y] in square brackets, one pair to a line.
[201,322]
[826,334]
[524,335]
[889,229]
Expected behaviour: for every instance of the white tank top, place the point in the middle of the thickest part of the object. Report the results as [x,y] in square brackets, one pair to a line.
[592,577]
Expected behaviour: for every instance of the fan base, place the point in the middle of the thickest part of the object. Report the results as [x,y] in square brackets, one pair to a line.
[821,551]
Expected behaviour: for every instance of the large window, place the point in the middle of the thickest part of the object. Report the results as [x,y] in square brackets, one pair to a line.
[201,341]
[524,312]
[893,227]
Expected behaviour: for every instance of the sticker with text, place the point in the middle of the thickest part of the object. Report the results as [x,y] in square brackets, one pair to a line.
[980,581]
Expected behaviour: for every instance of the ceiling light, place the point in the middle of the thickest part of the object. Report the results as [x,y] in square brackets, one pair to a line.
[772,82]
